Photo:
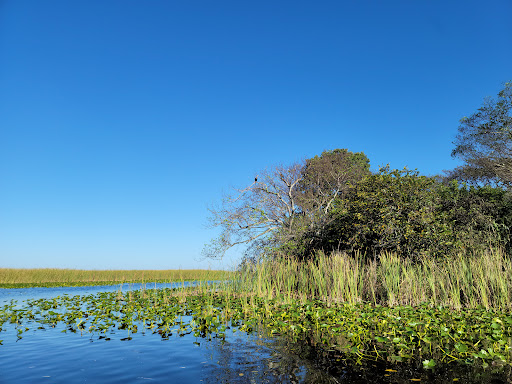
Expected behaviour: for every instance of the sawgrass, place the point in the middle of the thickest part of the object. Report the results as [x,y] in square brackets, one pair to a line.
[44,277]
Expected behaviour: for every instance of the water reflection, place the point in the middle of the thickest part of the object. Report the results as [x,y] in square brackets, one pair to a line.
[69,357]
[245,359]
[260,359]
[334,369]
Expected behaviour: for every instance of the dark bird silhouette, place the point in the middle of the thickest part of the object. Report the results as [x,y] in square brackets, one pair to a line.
[256,179]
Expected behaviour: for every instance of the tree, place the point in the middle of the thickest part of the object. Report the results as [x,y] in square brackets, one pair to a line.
[328,176]
[284,202]
[253,213]
[393,210]
[403,212]
[480,216]
[484,142]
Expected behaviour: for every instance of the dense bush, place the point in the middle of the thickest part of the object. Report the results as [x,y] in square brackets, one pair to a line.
[403,212]
[480,216]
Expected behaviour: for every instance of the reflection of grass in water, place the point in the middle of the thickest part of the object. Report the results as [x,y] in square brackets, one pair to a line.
[53,277]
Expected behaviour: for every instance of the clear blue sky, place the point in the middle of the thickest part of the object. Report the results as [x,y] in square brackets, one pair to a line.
[121,121]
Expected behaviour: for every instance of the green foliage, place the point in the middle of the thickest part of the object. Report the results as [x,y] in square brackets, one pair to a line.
[284,202]
[394,210]
[484,142]
[333,172]
[326,179]
[403,212]
[479,216]
[332,202]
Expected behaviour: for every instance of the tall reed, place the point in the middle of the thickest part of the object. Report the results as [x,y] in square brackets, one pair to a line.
[481,279]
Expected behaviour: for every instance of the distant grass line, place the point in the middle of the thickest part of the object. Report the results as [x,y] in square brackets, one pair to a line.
[55,277]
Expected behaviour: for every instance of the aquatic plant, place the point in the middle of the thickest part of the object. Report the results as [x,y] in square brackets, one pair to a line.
[359,332]
[425,314]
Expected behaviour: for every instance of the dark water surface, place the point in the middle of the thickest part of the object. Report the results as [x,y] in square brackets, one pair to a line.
[51,356]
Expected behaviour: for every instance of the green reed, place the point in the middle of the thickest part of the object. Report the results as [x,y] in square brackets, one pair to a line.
[464,281]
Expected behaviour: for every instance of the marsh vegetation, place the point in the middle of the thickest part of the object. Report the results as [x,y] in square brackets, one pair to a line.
[391,311]
[55,277]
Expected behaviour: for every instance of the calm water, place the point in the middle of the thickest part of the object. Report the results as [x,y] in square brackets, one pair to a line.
[50,356]
[21,294]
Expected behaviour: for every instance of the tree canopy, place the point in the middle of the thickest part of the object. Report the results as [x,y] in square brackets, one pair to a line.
[484,142]
[403,212]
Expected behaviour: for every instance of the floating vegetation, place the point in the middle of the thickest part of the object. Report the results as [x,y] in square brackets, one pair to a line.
[399,334]
[357,333]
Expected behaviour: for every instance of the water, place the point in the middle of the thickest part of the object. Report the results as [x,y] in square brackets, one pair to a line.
[54,357]
[51,356]
[21,294]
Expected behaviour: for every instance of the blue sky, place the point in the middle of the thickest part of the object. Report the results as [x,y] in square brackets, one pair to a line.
[122,121]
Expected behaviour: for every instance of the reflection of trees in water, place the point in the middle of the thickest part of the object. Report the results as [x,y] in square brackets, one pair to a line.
[336,370]
[253,359]
[261,359]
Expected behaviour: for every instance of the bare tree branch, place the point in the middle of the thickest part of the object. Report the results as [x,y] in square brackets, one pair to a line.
[261,209]
[283,203]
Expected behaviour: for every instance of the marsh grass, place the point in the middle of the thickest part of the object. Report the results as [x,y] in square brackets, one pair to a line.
[386,309]
[11,277]
[464,281]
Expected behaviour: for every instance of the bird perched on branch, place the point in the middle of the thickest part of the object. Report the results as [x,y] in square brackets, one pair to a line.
[256,179]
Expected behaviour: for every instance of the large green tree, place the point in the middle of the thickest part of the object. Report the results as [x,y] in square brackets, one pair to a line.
[328,176]
[484,142]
